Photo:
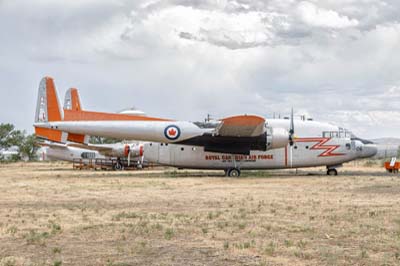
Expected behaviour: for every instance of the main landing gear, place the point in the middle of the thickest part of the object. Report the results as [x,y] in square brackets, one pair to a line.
[232,172]
[118,165]
[331,171]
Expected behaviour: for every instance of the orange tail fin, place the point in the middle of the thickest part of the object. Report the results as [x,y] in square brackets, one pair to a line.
[48,109]
[72,100]
[48,106]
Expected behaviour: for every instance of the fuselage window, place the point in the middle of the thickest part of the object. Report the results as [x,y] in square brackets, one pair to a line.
[182,149]
[88,155]
[348,146]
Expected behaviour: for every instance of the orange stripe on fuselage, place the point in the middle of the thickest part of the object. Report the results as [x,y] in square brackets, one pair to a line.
[70,115]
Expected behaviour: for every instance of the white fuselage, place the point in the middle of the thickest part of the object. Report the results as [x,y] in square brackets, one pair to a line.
[71,153]
[316,144]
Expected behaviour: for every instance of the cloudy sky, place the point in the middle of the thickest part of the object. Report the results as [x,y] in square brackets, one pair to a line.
[334,60]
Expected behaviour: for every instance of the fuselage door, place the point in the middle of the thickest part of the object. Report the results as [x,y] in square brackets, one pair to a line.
[166,153]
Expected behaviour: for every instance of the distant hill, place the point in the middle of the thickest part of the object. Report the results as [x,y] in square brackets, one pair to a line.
[387,141]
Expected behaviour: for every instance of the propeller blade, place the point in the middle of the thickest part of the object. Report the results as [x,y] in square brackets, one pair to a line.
[291,130]
[141,154]
[129,157]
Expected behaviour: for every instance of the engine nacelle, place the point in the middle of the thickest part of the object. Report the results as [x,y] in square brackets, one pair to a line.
[124,150]
[277,138]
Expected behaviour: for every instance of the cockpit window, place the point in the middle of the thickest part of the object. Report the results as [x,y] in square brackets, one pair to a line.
[337,134]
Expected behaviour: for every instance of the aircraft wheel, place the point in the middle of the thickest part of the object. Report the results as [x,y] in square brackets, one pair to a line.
[233,172]
[331,172]
[117,166]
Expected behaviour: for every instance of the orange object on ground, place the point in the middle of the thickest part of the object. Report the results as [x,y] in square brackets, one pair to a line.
[392,169]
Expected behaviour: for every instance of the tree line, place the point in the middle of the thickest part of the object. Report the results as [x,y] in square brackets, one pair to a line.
[12,137]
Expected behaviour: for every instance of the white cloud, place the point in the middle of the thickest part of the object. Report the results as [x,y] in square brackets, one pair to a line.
[319,17]
[335,60]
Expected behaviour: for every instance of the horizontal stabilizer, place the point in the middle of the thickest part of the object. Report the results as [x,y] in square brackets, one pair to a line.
[51,134]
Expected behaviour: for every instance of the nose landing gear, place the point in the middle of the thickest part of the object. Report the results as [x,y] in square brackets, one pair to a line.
[331,169]
[232,172]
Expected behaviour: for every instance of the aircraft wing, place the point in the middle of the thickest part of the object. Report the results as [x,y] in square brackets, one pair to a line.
[241,126]
[53,145]
[236,134]
[93,147]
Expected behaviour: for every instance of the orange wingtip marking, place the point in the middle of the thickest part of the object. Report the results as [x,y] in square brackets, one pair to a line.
[76,138]
[52,101]
[50,134]
[243,120]
[75,101]
[98,116]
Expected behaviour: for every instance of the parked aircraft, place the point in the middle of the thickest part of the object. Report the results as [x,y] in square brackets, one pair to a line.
[131,152]
[69,151]
[317,144]
[231,144]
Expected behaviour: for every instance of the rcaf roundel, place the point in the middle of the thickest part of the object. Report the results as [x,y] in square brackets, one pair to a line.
[172,132]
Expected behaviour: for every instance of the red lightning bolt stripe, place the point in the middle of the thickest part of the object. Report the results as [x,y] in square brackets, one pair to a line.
[320,145]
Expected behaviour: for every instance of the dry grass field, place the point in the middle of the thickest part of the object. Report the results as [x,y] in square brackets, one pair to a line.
[52,215]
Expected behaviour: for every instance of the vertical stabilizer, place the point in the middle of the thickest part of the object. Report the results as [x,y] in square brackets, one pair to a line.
[48,109]
[72,100]
[48,106]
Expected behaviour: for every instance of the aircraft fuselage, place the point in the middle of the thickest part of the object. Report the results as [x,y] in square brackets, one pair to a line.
[316,144]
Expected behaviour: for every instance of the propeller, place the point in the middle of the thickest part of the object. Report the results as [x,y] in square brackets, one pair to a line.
[291,129]
[141,154]
[127,152]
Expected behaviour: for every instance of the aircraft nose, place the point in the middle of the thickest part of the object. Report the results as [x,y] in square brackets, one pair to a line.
[369,150]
